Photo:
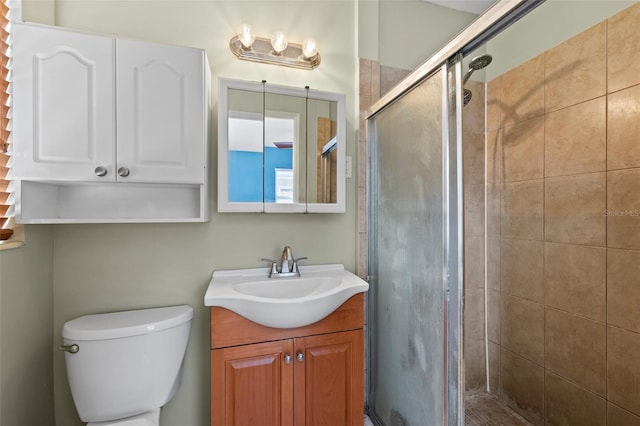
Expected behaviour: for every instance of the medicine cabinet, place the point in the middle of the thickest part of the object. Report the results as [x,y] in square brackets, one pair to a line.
[280,149]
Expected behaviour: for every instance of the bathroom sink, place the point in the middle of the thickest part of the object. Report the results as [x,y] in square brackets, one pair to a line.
[284,302]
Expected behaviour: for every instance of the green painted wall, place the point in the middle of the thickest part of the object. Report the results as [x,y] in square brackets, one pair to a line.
[26,338]
[411,31]
[368,18]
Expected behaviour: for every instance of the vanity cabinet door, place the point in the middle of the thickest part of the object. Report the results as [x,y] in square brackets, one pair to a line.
[63,105]
[329,379]
[161,113]
[252,385]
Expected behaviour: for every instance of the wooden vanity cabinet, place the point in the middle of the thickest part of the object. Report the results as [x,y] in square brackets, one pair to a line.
[251,385]
[311,375]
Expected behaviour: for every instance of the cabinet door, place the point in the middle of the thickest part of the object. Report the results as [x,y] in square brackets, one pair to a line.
[329,379]
[161,113]
[252,385]
[63,104]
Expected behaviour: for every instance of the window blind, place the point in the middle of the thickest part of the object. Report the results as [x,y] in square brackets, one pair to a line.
[6,200]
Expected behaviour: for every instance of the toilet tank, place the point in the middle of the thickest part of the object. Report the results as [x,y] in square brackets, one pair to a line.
[128,362]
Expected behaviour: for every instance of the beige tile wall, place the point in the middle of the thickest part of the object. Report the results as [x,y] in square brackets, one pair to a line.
[369,87]
[563,212]
[474,237]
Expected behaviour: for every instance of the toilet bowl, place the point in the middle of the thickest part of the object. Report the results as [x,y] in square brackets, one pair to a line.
[150,418]
[128,364]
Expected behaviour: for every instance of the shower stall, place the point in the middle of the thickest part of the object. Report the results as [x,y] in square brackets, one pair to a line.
[503,227]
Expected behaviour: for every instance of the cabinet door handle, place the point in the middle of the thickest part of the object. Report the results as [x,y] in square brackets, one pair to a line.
[123,172]
[300,356]
[100,171]
[287,359]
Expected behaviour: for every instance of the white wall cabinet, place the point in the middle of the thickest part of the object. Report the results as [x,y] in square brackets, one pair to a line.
[63,104]
[159,112]
[108,130]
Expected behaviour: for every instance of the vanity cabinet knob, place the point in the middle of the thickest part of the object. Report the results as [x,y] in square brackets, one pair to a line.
[287,359]
[123,172]
[100,171]
[300,356]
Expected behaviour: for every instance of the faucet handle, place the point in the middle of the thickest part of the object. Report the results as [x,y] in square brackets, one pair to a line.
[274,265]
[295,264]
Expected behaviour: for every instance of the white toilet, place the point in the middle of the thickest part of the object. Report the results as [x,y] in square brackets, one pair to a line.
[127,365]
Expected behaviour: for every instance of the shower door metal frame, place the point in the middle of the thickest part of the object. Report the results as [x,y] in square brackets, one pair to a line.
[452,267]
[492,22]
[449,178]
[454,248]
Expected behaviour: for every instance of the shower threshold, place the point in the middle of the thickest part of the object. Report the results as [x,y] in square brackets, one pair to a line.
[482,409]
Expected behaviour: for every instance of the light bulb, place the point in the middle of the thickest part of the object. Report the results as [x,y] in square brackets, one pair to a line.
[309,48]
[246,36]
[278,42]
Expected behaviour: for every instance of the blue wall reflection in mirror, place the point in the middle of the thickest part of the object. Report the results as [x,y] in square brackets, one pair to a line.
[247,176]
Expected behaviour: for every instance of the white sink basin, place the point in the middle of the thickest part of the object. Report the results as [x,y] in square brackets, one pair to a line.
[284,302]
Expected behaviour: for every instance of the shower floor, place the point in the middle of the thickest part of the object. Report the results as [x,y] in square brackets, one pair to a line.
[483,409]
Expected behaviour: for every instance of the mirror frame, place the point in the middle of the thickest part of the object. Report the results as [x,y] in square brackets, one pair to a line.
[224,205]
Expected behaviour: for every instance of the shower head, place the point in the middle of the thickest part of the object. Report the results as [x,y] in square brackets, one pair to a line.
[476,64]
[480,62]
[466,97]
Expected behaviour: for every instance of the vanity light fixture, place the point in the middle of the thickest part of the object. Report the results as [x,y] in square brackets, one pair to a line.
[275,50]
[246,36]
[278,42]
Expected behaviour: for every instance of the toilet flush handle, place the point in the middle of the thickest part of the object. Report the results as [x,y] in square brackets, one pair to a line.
[69,348]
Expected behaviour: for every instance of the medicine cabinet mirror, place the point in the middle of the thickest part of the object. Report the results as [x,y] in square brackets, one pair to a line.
[280,149]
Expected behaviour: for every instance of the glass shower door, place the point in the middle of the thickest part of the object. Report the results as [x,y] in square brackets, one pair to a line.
[412,222]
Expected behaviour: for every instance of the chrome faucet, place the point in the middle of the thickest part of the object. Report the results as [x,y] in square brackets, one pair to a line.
[286,261]
[288,265]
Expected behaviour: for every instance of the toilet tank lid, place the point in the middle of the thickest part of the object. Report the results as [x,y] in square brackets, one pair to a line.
[127,323]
